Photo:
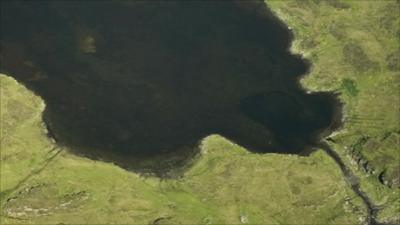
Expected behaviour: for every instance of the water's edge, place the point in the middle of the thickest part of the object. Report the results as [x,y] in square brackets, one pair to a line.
[350,177]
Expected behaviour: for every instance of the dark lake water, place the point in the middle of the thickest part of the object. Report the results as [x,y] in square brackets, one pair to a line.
[149,78]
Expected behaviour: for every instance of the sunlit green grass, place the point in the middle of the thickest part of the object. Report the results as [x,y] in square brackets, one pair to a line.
[227,184]
[355,50]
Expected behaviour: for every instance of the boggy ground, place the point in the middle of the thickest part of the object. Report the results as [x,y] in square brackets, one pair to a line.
[353,46]
[42,183]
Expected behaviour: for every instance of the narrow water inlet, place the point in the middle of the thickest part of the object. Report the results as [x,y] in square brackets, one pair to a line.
[145,78]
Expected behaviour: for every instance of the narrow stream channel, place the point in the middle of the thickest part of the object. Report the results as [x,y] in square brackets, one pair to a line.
[354,183]
[140,79]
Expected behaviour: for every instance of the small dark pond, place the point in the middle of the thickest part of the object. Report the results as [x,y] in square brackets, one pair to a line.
[132,79]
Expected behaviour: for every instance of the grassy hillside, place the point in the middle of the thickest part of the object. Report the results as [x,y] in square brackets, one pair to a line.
[355,50]
[43,184]
[353,47]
